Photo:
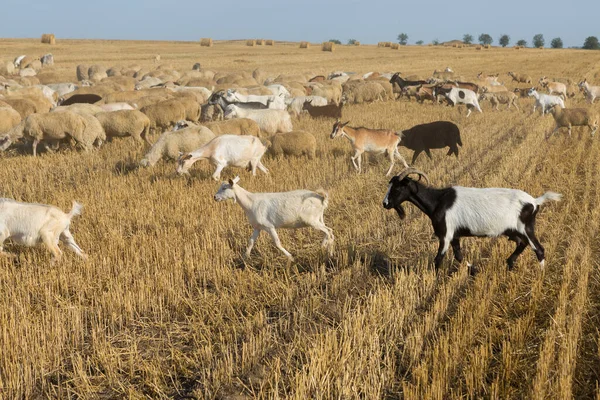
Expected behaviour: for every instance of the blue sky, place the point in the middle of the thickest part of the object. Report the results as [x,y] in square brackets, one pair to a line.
[368,22]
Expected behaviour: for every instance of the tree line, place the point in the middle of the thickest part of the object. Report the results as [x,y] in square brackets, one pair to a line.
[590,43]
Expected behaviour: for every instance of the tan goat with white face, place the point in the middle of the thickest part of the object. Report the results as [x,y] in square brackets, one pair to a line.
[375,141]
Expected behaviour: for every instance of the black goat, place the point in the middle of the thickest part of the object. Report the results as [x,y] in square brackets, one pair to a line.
[329,111]
[80,98]
[397,80]
[435,135]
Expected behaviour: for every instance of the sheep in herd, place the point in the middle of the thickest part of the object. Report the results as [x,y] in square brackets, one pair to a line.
[554,87]
[170,145]
[164,114]
[79,108]
[326,111]
[9,118]
[93,133]
[463,211]
[29,224]
[62,89]
[49,128]
[122,123]
[236,126]
[498,98]
[356,92]
[520,78]
[116,106]
[270,211]
[591,92]
[371,141]
[435,135]
[461,96]
[295,143]
[270,121]
[544,101]
[569,117]
[225,150]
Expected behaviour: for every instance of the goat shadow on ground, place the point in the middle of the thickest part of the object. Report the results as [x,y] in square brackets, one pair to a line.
[125,167]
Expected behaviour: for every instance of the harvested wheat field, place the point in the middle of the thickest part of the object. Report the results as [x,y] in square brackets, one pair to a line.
[165,306]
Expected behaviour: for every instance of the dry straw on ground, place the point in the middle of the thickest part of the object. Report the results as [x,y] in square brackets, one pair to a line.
[165,307]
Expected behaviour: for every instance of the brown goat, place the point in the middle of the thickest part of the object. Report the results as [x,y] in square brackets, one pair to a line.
[329,111]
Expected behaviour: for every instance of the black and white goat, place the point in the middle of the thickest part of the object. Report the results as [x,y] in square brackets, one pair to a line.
[463,211]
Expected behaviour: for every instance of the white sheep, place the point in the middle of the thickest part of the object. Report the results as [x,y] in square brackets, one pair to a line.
[544,101]
[270,121]
[225,150]
[269,211]
[29,224]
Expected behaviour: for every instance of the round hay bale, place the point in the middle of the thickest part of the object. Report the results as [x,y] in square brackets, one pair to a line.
[270,42]
[486,46]
[328,46]
[260,42]
[304,45]
[478,48]
[206,42]
[541,47]
[387,44]
[48,38]
[394,46]
[251,42]
[356,43]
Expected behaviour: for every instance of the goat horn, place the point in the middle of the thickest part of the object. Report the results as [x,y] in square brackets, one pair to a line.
[409,171]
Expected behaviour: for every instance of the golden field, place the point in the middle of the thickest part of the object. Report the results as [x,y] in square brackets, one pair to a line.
[165,308]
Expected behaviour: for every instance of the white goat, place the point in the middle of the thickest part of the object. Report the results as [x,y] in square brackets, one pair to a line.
[222,151]
[462,96]
[29,224]
[270,121]
[269,211]
[591,92]
[278,89]
[544,101]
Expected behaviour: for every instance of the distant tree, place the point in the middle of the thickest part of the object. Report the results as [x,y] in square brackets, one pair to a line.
[522,43]
[556,43]
[435,42]
[504,40]
[591,43]
[335,41]
[538,40]
[419,42]
[351,41]
[403,39]
[484,38]
[468,39]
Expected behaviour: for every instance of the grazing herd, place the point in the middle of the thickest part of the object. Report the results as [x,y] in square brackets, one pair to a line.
[234,119]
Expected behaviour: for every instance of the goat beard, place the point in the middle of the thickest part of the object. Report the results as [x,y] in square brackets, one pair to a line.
[400,211]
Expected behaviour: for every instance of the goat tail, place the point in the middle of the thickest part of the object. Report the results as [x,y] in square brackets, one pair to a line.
[325,196]
[548,196]
[76,210]
[459,141]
